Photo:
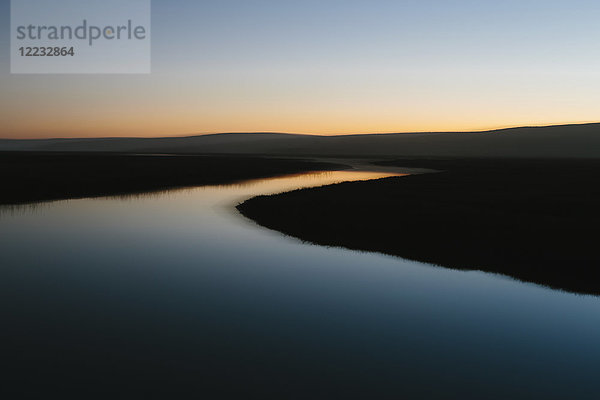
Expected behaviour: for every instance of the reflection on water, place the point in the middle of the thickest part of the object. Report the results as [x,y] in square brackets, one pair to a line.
[171,293]
[268,186]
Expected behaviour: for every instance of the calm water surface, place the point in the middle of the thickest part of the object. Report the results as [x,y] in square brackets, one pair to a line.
[175,295]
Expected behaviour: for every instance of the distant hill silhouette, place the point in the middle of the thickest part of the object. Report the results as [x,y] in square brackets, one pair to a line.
[562,141]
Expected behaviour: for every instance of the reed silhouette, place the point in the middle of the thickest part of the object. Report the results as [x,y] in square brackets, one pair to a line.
[29,177]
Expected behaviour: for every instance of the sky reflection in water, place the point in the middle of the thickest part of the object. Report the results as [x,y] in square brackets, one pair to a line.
[176,291]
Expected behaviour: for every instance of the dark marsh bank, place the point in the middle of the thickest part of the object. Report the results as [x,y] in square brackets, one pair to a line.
[36,176]
[534,220]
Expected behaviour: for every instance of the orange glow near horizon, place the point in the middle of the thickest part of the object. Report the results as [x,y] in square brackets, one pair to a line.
[160,107]
[154,126]
[158,119]
[308,102]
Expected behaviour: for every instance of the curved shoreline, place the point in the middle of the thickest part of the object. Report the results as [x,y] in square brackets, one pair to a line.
[532,220]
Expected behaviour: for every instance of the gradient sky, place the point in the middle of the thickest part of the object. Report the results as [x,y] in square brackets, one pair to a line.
[327,67]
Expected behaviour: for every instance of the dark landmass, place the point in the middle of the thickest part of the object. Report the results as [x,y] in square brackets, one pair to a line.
[561,141]
[29,177]
[534,220]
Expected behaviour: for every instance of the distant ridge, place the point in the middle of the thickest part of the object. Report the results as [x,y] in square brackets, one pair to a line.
[555,141]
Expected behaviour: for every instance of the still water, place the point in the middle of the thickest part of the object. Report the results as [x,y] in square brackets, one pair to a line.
[176,295]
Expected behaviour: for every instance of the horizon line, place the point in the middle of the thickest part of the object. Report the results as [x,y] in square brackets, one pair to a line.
[183,136]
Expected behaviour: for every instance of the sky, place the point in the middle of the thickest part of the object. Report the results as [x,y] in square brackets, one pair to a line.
[327,67]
